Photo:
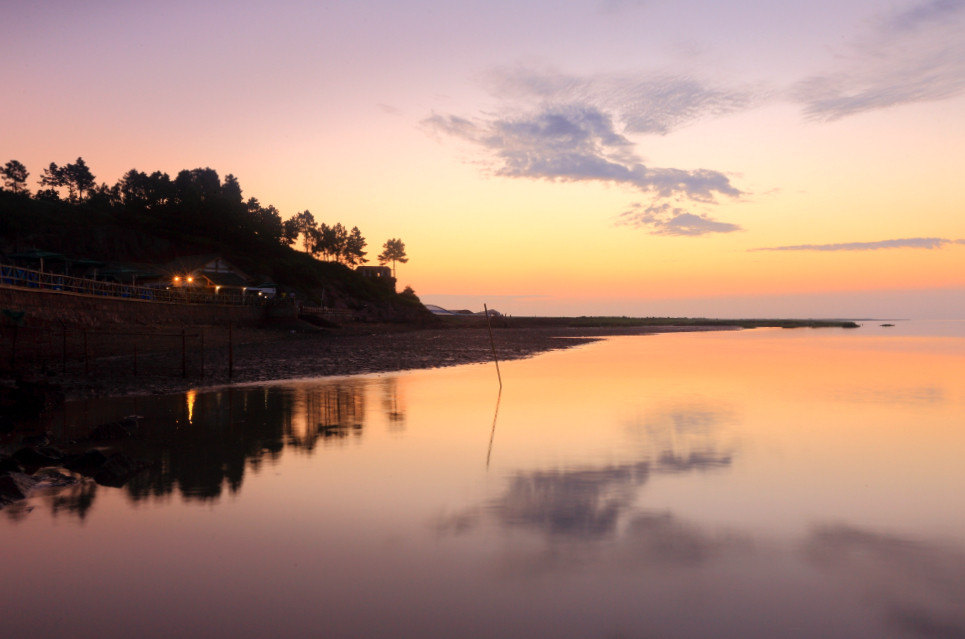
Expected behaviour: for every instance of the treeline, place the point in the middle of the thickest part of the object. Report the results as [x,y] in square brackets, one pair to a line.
[196,202]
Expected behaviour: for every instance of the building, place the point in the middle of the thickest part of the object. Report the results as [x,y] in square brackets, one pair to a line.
[206,272]
[382,274]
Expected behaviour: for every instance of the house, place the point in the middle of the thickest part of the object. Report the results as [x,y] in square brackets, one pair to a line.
[382,274]
[205,271]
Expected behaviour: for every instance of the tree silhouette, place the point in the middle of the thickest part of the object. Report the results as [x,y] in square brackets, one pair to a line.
[355,248]
[393,251]
[79,178]
[54,178]
[15,176]
[305,225]
[76,178]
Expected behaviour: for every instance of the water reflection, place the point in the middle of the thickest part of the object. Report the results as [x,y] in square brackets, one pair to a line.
[917,586]
[201,445]
[666,486]
[588,503]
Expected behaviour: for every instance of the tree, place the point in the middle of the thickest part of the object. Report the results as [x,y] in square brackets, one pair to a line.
[15,176]
[231,189]
[289,231]
[355,248]
[393,251]
[304,224]
[54,178]
[79,179]
[76,178]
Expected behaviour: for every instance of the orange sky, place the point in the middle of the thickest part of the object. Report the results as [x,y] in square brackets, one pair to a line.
[504,153]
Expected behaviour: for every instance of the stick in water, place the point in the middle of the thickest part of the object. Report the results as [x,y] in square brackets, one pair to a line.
[493,344]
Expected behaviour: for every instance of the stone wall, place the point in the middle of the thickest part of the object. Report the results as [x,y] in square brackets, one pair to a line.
[54,307]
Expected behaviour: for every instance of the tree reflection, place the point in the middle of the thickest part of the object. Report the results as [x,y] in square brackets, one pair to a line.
[201,444]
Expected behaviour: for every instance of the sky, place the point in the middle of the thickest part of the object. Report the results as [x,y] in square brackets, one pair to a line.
[617,157]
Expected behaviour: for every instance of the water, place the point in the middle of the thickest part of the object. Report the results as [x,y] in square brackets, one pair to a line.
[730,484]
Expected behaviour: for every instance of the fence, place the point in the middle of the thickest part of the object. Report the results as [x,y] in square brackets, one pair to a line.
[20,277]
[195,353]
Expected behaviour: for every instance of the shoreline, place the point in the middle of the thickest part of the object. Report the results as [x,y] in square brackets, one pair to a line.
[271,355]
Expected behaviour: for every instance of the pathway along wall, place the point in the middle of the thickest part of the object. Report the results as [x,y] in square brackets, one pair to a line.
[52,307]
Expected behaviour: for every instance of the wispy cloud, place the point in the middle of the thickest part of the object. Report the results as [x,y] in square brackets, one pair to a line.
[580,143]
[576,143]
[915,55]
[912,242]
[665,219]
[652,103]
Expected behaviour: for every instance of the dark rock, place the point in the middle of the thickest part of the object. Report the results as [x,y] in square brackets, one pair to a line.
[14,487]
[118,470]
[31,459]
[52,452]
[87,463]
[110,431]
[36,440]
[53,478]
[10,465]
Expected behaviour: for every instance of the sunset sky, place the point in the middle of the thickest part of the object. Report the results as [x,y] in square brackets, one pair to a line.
[589,157]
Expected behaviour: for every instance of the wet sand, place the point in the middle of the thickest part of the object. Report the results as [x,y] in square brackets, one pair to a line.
[271,354]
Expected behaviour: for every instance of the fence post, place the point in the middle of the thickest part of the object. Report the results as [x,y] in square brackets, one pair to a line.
[13,348]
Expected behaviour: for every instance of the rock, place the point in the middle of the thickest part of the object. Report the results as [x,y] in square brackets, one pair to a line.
[14,487]
[118,470]
[87,463]
[36,440]
[110,431]
[53,478]
[10,465]
[52,452]
[31,459]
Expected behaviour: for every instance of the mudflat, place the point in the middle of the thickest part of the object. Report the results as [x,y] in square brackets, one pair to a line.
[261,355]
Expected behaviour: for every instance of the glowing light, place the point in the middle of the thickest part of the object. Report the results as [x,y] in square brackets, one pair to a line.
[190,279]
[189,398]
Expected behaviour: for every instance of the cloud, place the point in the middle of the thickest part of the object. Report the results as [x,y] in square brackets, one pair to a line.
[916,55]
[924,14]
[652,103]
[665,219]
[913,242]
[569,128]
[578,143]
[916,585]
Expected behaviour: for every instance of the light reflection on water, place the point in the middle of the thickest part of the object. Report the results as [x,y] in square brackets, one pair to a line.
[752,484]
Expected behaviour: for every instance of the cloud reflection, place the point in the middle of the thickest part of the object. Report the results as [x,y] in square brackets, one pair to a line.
[917,586]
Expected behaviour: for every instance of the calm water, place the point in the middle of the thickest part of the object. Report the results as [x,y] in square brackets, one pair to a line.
[767,483]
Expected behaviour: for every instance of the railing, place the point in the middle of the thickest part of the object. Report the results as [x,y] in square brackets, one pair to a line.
[19,277]
[331,314]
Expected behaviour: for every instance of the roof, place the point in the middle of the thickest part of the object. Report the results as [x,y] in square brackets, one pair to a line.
[224,279]
[195,264]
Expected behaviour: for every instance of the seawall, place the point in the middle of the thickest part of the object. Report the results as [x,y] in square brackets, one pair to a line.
[42,307]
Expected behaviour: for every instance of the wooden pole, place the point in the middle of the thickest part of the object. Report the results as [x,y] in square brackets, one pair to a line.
[63,352]
[492,343]
[184,353]
[202,353]
[135,357]
[231,352]
[86,365]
